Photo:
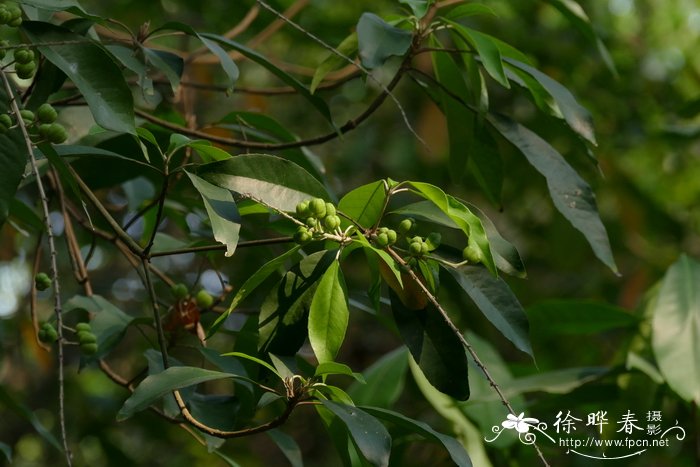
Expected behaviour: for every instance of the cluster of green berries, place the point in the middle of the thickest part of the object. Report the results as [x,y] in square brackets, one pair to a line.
[203,298]
[41,123]
[42,281]
[25,63]
[10,15]
[86,339]
[385,237]
[417,246]
[318,217]
[48,333]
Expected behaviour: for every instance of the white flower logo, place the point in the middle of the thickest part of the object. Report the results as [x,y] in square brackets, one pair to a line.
[521,423]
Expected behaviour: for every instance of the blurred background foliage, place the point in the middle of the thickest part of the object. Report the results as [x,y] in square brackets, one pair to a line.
[647,179]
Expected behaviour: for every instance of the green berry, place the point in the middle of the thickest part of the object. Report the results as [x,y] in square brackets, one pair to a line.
[6,120]
[25,70]
[56,134]
[26,115]
[331,222]
[24,56]
[89,349]
[46,113]
[5,15]
[303,210]
[311,221]
[85,337]
[179,290]
[3,128]
[330,209]
[391,235]
[416,239]
[47,333]
[204,299]
[318,208]
[415,248]
[424,249]
[15,11]
[83,327]
[15,23]
[302,235]
[407,225]
[381,240]
[43,130]
[472,253]
[42,281]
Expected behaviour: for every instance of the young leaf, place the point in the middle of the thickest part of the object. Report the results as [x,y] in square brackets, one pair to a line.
[328,316]
[434,346]
[254,359]
[572,196]
[277,182]
[155,386]
[457,453]
[378,40]
[364,204]
[486,48]
[335,368]
[347,47]
[471,9]
[676,328]
[496,301]
[370,436]
[222,212]
[92,70]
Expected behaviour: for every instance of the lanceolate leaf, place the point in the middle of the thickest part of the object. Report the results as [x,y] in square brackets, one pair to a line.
[318,103]
[434,346]
[496,301]
[348,48]
[577,116]
[457,453]
[155,386]
[676,328]
[277,182]
[328,316]
[487,49]
[572,196]
[364,204]
[222,212]
[92,70]
[378,40]
[370,436]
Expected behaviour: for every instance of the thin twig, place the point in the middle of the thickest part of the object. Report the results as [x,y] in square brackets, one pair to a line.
[54,264]
[462,339]
[218,247]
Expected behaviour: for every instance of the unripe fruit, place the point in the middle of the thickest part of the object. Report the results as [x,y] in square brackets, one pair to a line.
[56,134]
[407,225]
[3,128]
[303,209]
[318,208]
[391,235]
[180,291]
[3,43]
[43,130]
[89,349]
[15,23]
[5,15]
[416,239]
[472,254]
[27,115]
[24,56]
[311,221]
[25,70]
[424,249]
[42,281]
[46,113]
[15,11]
[415,248]
[6,120]
[330,209]
[47,333]
[204,299]
[85,337]
[382,240]
[302,235]
[83,327]
[331,222]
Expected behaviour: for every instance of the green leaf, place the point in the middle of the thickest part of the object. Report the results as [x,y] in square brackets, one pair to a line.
[418,7]
[572,196]
[637,362]
[370,436]
[252,283]
[6,451]
[92,70]
[383,256]
[434,346]
[277,182]
[254,359]
[288,446]
[457,453]
[469,223]
[89,152]
[378,41]
[554,382]
[222,212]
[153,387]
[9,402]
[333,61]
[676,328]
[487,49]
[13,159]
[328,316]
[567,317]
[171,65]
[577,116]
[335,368]
[365,203]
[471,9]
[318,103]
[384,380]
